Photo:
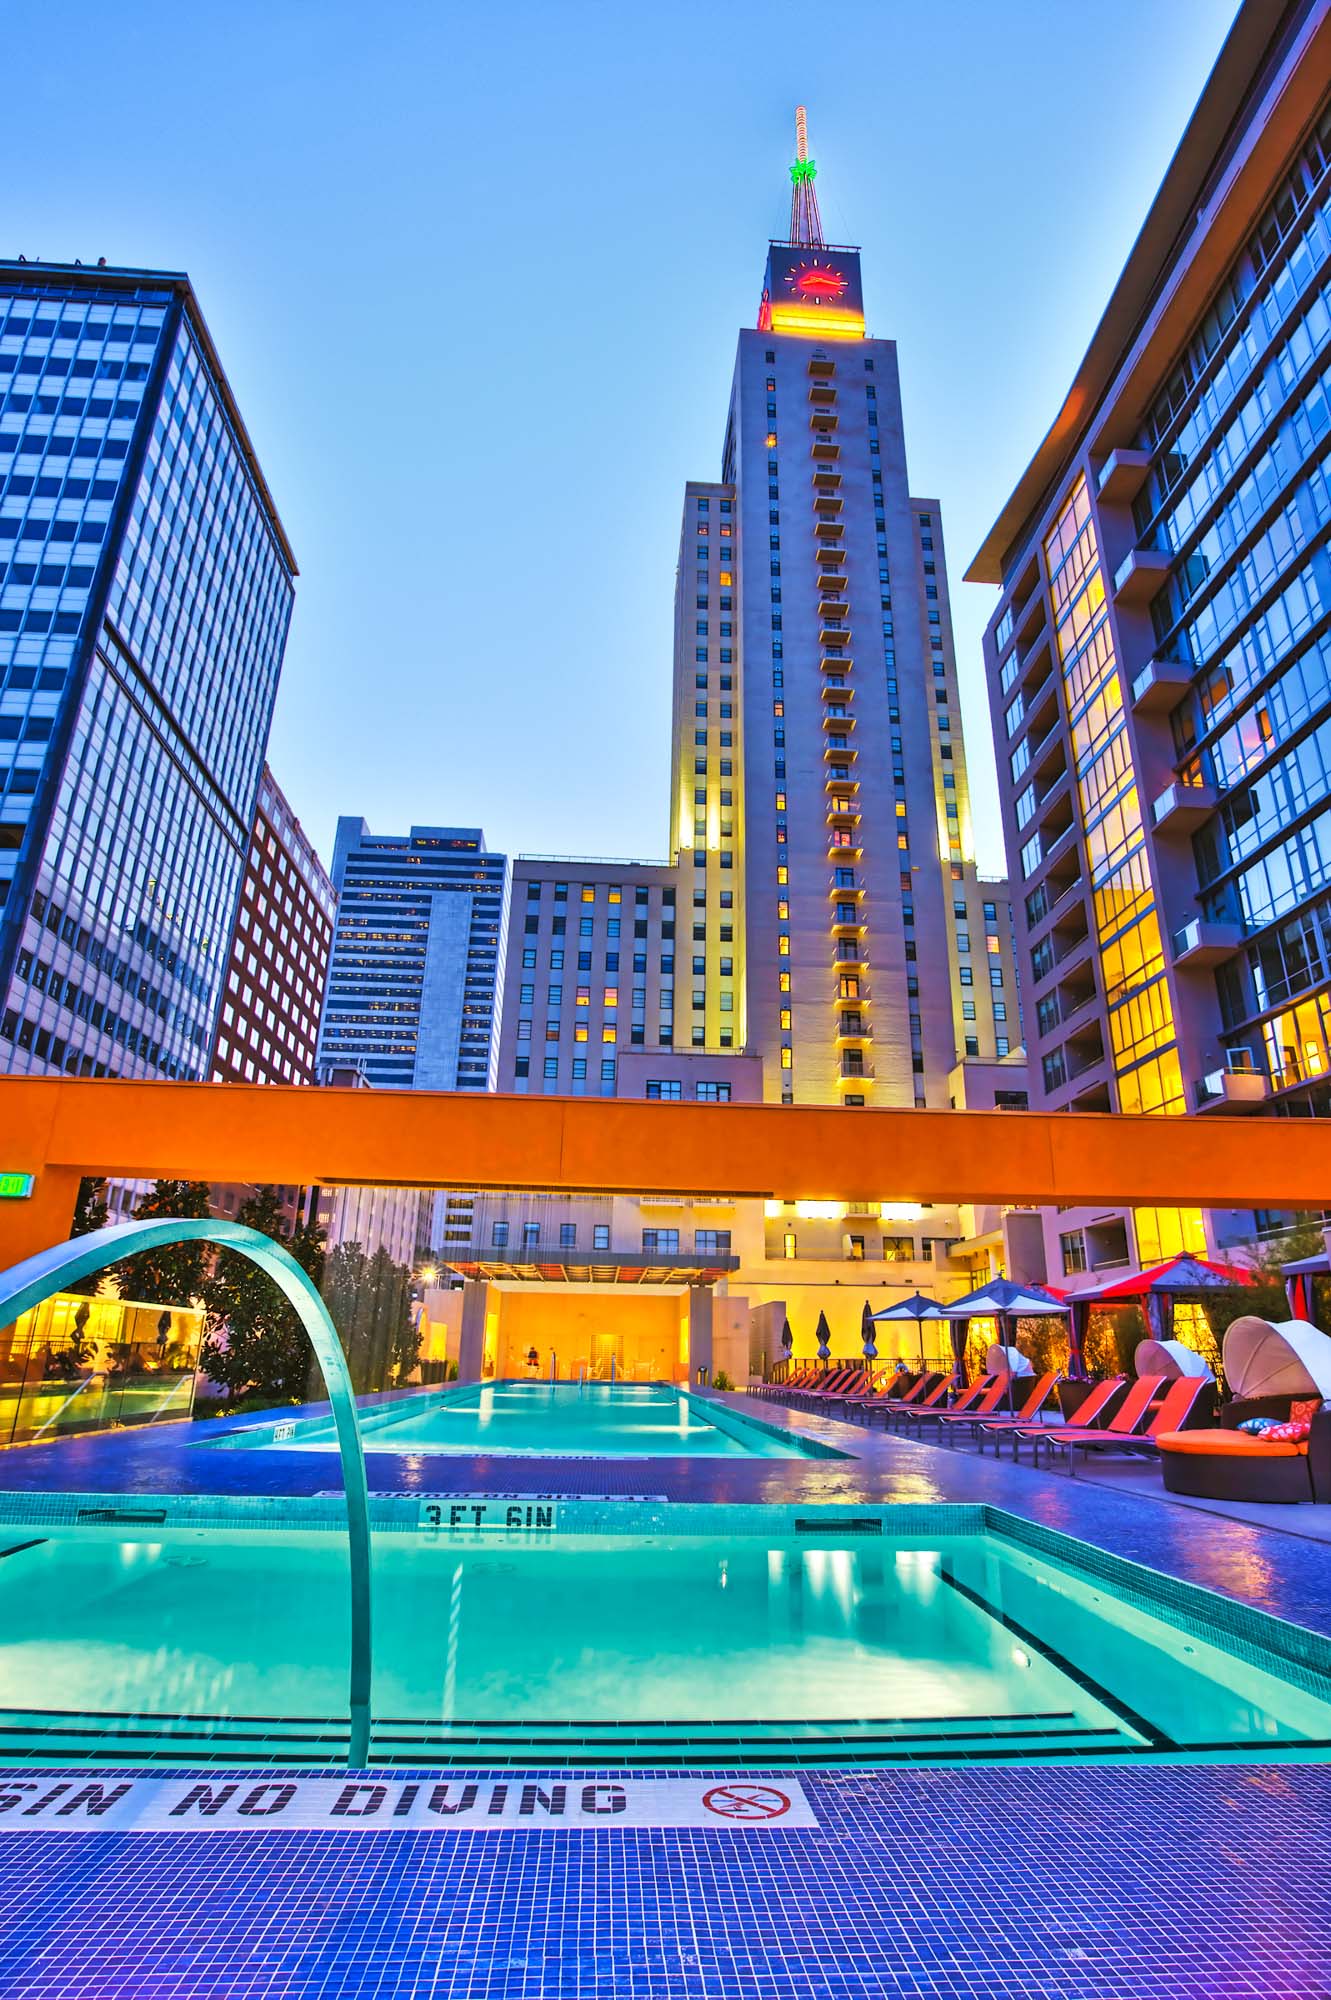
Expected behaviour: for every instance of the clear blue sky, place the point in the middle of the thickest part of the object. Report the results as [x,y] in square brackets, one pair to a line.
[476,271]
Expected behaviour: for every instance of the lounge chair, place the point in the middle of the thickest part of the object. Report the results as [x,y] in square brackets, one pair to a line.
[1131,1412]
[1167,1416]
[999,1427]
[1092,1408]
[968,1406]
[935,1392]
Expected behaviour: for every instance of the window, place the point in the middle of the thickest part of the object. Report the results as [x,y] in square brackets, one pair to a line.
[788,1248]
[855,1249]
[600,1236]
[712,1093]
[665,1089]
[499,1236]
[531,1234]
[664,1241]
[568,1235]
[1073,1247]
[715,1241]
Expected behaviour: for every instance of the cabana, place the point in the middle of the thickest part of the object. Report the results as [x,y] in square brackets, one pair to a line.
[1304,1281]
[1156,1291]
[1003,1300]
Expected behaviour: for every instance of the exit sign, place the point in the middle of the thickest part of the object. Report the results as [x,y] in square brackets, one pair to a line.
[15,1187]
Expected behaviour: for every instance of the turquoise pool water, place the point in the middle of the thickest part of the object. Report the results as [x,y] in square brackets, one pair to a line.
[748,1648]
[550,1420]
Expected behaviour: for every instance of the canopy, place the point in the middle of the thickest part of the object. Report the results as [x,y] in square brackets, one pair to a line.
[1007,1361]
[1180,1276]
[1001,1298]
[1170,1358]
[915,1307]
[1292,1359]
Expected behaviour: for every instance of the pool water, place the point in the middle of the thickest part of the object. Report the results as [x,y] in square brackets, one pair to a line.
[550,1420]
[744,1649]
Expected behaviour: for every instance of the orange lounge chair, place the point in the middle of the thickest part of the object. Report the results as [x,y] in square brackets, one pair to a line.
[1170,1414]
[933,1390]
[967,1408]
[999,1427]
[1131,1412]
[1093,1406]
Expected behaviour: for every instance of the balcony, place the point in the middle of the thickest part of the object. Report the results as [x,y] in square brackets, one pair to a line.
[853,1072]
[851,1030]
[828,530]
[843,895]
[1160,686]
[827,481]
[841,806]
[1238,1086]
[1200,943]
[829,557]
[824,422]
[820,367]
[843,851]
[1140,575]
[840,752]
[826,450]
[822,394]
[1183,808]
[1122,476]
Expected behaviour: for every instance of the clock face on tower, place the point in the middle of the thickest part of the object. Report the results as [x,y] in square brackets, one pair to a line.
[813,292]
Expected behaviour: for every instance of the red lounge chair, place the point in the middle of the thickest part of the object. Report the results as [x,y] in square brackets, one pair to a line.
[1093,1405]
[921,1406]
[966,1409]
[1131,1412]
[999,1427]
[1171,1413]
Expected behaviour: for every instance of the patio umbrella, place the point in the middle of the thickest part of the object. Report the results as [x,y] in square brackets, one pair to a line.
[1292,1359]
[1006,1301]
[866,1333]
[824,1338]
[917,1307]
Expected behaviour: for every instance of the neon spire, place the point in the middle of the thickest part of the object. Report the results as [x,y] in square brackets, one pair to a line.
[806,225]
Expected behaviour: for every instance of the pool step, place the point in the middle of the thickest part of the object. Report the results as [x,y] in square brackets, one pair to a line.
[58,1738]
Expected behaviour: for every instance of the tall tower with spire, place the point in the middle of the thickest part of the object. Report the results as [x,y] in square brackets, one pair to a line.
[820,805]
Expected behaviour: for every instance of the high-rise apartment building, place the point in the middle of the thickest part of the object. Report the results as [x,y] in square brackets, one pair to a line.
[269,1025]
[1159,662]
[146,586]
[417,957]
[819,798]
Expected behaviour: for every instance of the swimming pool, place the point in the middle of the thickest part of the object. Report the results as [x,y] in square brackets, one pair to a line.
[752,1638]
[547,1420]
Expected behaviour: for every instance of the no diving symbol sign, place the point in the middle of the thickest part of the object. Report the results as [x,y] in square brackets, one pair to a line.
[747,1802]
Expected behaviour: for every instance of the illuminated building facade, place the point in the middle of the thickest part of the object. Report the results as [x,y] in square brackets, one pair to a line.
[1159,663]
[145,591]
[819,791]
[416,958]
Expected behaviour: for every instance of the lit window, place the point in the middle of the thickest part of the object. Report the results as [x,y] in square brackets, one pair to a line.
[579,1031]
[589,892]
[611,996]
[783,944]
[785,1017]
[608,1032]
[787,1058]
[782,874]
[788,1244]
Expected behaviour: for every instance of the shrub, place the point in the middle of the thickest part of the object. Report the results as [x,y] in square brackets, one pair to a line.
[721,1380]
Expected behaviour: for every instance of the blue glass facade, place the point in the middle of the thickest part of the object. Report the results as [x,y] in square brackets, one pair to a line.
[145,593]
[417,957]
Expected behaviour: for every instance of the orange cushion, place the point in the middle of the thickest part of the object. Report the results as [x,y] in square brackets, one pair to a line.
[1228,1444]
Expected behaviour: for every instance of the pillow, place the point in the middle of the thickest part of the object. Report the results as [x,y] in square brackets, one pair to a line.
[1303,1409]
[1256,1426]
[1290,1433]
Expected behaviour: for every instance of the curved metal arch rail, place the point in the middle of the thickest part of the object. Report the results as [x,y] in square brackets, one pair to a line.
[26,1285]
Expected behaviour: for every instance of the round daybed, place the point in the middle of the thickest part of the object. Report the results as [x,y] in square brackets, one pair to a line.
[1269,1370]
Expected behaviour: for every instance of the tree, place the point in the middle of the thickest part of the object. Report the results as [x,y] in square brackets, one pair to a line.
[255,1344]
[175,1274]
[369,1301]
[89,1214]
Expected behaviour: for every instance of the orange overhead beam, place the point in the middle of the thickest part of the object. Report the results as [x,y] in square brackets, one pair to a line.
[244,1132]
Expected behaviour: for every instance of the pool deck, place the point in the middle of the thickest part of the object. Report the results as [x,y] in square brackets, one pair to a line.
[1197,1882]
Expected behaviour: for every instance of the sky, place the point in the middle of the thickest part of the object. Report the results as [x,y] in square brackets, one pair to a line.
[476,272]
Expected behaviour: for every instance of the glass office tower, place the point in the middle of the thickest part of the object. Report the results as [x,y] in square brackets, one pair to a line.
[146,586]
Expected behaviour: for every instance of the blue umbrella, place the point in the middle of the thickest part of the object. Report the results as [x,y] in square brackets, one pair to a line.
[916,1308]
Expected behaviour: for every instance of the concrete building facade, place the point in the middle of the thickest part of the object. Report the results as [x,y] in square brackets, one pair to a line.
[269,1025]
[1159,663]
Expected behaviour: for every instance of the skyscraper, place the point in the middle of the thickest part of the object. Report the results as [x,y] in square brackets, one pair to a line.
[1159,662]
[147,589]
[820,804]
[417,957]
